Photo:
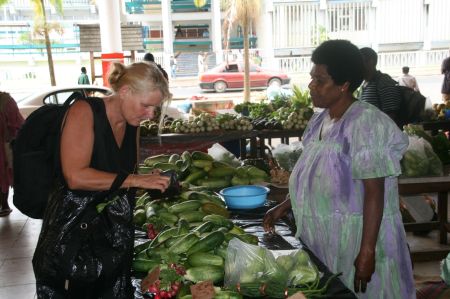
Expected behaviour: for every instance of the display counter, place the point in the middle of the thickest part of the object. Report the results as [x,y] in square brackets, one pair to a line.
[251,222]
[441,186]
[178,143]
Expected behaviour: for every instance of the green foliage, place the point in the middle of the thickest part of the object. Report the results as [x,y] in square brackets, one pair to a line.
[301,98]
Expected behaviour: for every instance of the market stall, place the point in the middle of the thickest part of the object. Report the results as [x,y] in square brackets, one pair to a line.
[283,240]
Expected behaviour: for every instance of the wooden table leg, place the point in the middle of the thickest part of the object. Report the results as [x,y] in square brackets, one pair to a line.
[442,213]
[262,147]
[243,148]
[253,147]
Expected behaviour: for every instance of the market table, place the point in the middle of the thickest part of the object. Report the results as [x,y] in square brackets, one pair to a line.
[436,125]
[251,222]
[441,186]
[177,143]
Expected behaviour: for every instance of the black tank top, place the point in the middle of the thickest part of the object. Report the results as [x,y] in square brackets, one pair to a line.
[106,154]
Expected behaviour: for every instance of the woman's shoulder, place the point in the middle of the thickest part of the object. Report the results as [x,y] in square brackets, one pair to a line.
[366,112]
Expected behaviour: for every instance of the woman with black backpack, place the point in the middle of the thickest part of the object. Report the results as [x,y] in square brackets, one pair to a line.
[85,248]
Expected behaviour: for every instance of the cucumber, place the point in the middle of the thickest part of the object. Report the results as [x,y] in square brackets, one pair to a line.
[174,158]
[221,251]
[202,273]
[183,227]
[205,259]
[142,265]
[211,208]
[219,220]
[207,243]
[205,227]
[168,233]
[214,183]
[141,255]
[150,161]
[168,218]
[236,181]
[182,245]
[192,216]
[185,206]
[197,155]
[221,172]
[165,166]
[142,246]
[202,163]
[193,177]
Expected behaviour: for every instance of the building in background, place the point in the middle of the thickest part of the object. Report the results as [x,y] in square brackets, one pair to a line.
[404,32]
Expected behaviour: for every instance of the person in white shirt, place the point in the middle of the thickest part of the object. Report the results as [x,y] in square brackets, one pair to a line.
[408,80]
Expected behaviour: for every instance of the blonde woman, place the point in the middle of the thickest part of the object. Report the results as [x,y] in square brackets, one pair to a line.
[90,257]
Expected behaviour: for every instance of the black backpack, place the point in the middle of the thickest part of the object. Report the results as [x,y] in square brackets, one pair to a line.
[412,103]
[36,165]
[412,107]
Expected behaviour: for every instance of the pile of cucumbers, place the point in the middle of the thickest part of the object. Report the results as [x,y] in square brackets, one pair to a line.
[192,233]
[200,169]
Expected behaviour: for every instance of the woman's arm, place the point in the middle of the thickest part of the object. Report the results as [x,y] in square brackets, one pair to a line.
[275,213]
[77,142]
[372,215]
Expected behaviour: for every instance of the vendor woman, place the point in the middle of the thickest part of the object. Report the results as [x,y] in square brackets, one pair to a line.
[343,189]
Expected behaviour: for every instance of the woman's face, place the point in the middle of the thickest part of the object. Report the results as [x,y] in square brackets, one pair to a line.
[140,106]
[324,92]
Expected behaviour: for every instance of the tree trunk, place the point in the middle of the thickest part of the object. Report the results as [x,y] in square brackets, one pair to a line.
[49,47]
[246,59]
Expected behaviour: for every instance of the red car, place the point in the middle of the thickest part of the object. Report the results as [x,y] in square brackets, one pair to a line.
[231,77]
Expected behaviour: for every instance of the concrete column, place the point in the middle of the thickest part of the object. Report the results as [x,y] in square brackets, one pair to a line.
[426,26]
[265,35]
[166,11]
[110,32]
[373,24]
[322,18]
[216,30]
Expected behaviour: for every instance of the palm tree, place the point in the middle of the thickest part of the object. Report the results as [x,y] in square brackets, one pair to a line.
[41,18]
[245,13]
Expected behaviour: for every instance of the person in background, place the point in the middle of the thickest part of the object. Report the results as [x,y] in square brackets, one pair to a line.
[92,159]
[10,122]
[408,80]
[150,58]
[445,70]
[257,59]
[202,62]
[83,78]
[378,88]
[173,66]
[343,190]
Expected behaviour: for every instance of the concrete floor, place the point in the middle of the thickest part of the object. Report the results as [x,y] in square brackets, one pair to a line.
[19,235]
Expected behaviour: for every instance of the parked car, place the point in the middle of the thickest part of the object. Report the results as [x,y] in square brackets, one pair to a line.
[58,95]
[231,77]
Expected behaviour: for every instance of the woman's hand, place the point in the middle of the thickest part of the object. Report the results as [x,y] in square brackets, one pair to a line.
[275,213]
[364,268]
[152,180]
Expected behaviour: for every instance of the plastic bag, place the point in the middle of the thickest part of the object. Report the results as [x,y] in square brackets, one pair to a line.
[219,153]
[445,270]
[420,159]
[247,263]
[287,155]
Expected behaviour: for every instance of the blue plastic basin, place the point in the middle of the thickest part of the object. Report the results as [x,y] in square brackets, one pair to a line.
[245,197]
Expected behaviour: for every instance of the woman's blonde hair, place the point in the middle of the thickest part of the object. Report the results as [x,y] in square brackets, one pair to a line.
[140,77]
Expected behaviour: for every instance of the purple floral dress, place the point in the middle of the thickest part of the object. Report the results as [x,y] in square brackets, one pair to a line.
[327,193]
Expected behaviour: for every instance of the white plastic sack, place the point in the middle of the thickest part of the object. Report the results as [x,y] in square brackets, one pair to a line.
[287,155]
[220,153]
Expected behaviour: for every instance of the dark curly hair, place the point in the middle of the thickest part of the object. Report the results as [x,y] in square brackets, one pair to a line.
[343,61]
